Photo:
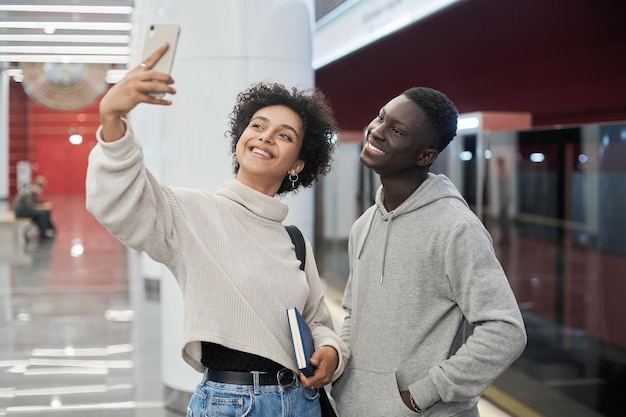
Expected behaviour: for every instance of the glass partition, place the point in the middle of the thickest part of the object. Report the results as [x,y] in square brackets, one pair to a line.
[556,208]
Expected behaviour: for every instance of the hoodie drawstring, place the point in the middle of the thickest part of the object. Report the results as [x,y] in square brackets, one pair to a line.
[387,233]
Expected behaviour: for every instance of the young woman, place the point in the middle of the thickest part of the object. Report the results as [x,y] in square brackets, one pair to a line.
[229,251]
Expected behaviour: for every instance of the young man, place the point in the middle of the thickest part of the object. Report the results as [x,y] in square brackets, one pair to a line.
[421,264]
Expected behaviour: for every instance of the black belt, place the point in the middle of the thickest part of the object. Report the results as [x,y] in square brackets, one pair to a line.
[285,377]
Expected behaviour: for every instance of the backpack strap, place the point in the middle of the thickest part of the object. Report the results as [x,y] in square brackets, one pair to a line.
[298,240]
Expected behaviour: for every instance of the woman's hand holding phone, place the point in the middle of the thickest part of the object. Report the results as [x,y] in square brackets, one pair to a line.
[158,34]
[136,87]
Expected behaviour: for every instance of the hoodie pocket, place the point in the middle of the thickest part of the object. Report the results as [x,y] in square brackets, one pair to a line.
[366,393]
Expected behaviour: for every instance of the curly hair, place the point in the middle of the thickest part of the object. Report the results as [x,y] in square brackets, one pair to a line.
[441,115]
[318,122]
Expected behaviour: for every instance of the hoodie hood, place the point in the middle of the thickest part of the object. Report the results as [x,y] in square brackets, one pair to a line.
[434,188]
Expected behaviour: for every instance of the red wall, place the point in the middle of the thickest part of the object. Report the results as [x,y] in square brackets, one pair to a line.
[41,135]
[562,61]
[18,132]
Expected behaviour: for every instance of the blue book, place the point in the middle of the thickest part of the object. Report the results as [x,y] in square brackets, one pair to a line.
[302,339]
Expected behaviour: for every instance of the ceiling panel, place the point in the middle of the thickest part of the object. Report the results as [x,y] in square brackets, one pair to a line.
[68,31]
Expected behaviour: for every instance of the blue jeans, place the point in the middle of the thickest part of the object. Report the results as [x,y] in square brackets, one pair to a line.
[215,399]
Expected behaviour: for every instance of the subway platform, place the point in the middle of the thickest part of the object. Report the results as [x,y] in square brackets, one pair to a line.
[80,331]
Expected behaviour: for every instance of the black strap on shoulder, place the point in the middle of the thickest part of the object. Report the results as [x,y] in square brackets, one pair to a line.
[298,240]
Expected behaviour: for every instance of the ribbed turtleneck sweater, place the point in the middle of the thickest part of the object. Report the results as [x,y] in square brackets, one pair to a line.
[229,252]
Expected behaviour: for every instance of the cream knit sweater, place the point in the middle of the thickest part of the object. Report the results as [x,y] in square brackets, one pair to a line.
[229,251]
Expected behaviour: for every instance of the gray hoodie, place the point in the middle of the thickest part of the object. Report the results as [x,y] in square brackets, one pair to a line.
[415,274]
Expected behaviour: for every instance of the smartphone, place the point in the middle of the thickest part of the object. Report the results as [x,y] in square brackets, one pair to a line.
[158,34]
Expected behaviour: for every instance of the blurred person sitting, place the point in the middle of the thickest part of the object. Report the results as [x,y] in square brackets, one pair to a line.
[28,205]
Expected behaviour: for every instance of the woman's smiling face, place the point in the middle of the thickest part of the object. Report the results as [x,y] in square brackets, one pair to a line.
[268,148]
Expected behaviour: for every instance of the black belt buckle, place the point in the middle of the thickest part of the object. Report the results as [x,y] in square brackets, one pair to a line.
[285,377]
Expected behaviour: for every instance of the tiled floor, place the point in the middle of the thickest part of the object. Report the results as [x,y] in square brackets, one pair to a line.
[80,334]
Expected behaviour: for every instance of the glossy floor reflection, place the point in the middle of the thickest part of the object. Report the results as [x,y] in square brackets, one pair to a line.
[78,336]
[80,333]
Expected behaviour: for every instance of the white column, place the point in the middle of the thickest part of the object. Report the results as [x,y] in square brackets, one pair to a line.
[224,47]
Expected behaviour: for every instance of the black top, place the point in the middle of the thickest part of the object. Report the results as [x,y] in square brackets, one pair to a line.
[221,358]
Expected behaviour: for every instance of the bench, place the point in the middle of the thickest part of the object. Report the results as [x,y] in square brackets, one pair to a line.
[14,231]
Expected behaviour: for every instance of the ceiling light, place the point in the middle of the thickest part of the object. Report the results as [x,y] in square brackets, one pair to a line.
[88,59]
[121,39]
[357,23]
[67,50]
[12,72]
[115,26]
[66,9]
[467,123]
[466,156]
